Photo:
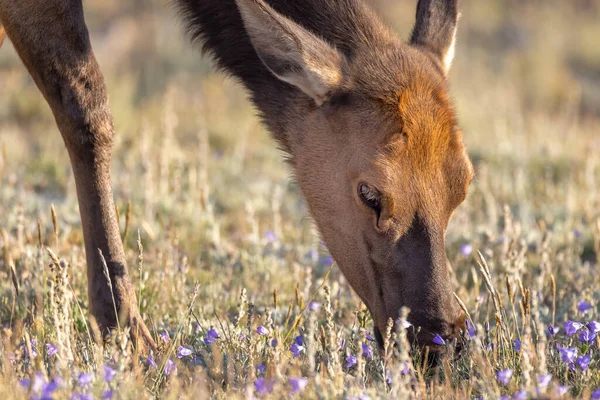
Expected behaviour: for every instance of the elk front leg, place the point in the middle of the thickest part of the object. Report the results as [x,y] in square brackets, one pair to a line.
[52,40]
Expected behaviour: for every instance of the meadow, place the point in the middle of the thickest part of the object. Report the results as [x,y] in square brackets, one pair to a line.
[232,278]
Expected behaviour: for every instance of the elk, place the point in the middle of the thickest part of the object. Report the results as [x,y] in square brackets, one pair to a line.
[365,119]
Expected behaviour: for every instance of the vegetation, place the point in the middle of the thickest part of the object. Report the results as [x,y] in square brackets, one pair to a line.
[241,295]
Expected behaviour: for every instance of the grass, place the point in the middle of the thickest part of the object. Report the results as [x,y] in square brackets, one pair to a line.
[220,244]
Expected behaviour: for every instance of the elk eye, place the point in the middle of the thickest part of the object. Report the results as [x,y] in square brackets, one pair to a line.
[371,197]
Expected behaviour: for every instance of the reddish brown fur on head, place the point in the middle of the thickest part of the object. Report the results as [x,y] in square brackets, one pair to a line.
[371,134]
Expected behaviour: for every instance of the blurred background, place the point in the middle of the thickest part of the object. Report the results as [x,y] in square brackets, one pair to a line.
[191,157]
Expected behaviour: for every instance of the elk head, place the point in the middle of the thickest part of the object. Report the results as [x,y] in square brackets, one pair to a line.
[377,152]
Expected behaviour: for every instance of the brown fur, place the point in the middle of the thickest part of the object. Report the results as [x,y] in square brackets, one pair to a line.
[345,98]
[64,68]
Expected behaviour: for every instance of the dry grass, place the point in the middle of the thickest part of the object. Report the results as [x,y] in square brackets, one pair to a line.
[225,242]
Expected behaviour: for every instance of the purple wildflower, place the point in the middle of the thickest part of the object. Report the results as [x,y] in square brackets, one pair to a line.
[327,261]
[298,384]
[261,330]
[594,327]
[439,340]
[585,336]
[366,351]
[296,349]
[183,352]
[520,395]
[85,378]
[241,336]
[211,336]
[544,380]
[572,327]
[466,249]
[567,354]
[471,329]
[261,369]
[584,361]
[596,394]
[517,345]
[51,349]
[583,306]
[504,376]
[170,367]
[151,362]
[561,390]
[314,306]
[51,387]
[107,395]
[350,361]
[109,373]
[404,368]
[270,236]
[262,386]
[553,330]
[164,335]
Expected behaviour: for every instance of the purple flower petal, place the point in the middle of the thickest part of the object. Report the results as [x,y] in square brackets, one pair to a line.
[366,351]
[553,330]
[109,373]
[596,395]
[296,349]
[183,352]
[151,362]
[585,336]
[261,369]
[164,335]
[404,368]
[504,376]
[170,367]
[298,384]
[85,378]
[561,390]
[520,395]
[314,306]
[439,340]
[583,306]
[212,335]
[572,327]
[583,362]
[517,345]
[270,236]
[544,380]
[261,330]
[328,261]
[466,249]
[471,329]
[567,354]
[369,337]
[594,327]
[107,395]
[51,349]
[350,361]
[262,386]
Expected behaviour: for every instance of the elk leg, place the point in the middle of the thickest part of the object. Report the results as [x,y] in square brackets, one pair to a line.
[52,40]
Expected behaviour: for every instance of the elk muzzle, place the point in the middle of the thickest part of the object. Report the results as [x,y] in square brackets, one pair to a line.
[420,271]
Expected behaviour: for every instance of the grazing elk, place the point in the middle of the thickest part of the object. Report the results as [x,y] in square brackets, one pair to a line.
[365,119]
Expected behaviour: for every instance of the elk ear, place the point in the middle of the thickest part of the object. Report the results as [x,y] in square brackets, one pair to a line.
[290,52]
[435,28]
